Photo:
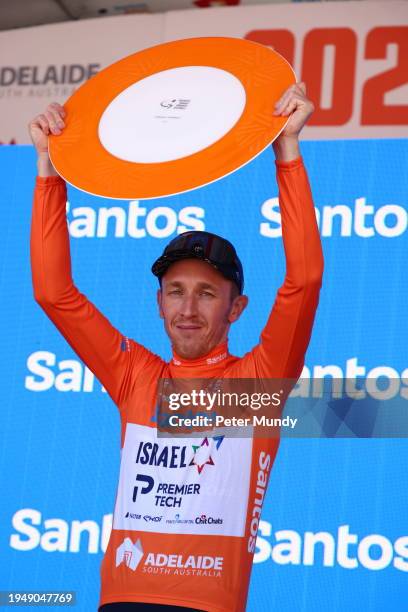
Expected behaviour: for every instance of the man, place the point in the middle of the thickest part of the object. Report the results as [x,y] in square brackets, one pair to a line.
[204,497]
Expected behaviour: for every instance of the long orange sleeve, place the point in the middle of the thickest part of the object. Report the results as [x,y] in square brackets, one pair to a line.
[102,348]
[286,336]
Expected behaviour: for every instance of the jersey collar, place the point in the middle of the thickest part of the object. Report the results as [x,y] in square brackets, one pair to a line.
[218,354]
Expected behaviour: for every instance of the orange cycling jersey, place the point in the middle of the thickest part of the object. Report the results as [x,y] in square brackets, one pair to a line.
[187,510]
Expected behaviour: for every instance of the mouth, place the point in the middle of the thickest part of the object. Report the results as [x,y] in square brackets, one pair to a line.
[188,327]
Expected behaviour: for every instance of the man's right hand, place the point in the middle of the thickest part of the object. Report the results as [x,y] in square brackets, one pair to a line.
[50,122]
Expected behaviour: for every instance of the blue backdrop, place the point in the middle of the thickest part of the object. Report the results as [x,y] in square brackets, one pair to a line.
[59,452]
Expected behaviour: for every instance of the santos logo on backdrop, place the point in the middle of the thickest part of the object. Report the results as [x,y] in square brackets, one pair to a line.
[362,220]
[133,221]
[341,548]
[136,221]
[47,372]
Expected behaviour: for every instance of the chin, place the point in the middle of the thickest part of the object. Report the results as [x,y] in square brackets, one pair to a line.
[189,351]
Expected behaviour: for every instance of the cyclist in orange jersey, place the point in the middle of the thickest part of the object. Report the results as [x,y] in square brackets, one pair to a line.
[187,510]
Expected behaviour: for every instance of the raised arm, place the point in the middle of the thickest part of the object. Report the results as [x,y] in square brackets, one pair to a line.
[285,338]
[110,356]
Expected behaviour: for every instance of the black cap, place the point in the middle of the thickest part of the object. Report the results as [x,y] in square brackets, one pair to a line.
[208,247]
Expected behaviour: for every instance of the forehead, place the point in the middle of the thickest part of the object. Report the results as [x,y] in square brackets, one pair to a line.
[194,271]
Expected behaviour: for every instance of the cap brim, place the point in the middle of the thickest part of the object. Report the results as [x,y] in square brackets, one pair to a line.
[163,263]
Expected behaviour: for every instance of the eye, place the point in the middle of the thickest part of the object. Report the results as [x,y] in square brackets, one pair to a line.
[207,294]
[174,292]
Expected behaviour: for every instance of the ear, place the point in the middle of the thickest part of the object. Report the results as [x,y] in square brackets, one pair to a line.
[237,308]
[159,303]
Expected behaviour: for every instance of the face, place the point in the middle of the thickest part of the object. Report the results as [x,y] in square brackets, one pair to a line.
[197,306]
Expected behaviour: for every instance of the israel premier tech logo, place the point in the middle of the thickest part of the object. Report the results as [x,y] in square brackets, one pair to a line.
[167,493]
[131,554]
[149,453]
[202,458]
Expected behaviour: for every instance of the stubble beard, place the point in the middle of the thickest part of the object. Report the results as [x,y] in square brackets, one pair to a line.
[190,348]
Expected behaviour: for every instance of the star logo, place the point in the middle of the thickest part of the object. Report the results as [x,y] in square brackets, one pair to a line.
[202,452]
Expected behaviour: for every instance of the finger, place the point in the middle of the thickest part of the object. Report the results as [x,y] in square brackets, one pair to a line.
[287,100]
[52,121]
[302,87]
[57,117]
[42,123]
[299,90]
[58,108]
[283,100]
[299,103]
[290,107]
[279,106]
[293,90]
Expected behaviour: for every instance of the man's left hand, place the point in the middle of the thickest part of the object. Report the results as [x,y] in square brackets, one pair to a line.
[294,103]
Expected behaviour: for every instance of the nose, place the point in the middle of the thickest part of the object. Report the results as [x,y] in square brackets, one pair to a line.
[188,306]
